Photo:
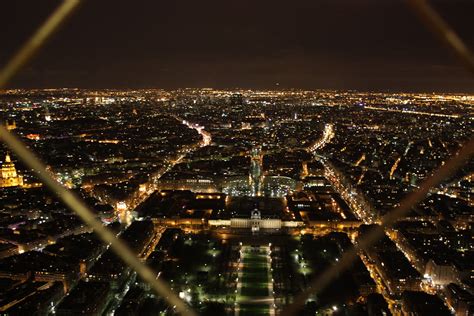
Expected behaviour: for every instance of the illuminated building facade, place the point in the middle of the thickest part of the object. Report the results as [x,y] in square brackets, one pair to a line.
[10,125]
[9,176]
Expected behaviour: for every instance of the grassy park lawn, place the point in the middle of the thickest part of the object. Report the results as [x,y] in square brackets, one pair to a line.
[255,274]
[259,276]
[259,289]
[251,310]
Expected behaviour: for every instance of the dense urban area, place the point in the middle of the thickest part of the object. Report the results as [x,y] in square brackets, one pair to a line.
[237,199]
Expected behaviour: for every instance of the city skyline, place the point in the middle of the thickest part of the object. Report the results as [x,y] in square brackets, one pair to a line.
[238,202]
[245,158]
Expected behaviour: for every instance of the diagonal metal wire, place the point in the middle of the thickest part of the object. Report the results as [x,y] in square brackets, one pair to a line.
[34,43]
[432,20]
[348,258]
[26,52]
[448,36]
[424,11]
[75,204]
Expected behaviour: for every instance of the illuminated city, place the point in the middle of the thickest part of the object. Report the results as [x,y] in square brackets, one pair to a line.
[237,158]
[236,198]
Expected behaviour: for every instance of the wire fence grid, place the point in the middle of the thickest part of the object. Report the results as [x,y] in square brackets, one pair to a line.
[423,10]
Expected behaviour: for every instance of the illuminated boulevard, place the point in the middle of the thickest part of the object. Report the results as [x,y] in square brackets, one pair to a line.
[237,199]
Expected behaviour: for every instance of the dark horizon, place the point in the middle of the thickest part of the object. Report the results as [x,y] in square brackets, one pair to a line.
[366,46]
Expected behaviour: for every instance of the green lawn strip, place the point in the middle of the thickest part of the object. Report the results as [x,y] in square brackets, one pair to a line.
[254,278]
[251,309]
[255,270]
[254,292]
[252,269]
[255,258]
[257,264]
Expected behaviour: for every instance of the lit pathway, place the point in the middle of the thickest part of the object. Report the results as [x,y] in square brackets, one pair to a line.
[255,282]
[150,186]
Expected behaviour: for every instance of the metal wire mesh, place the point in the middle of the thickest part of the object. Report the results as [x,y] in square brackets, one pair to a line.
[427,15]
[349,257]
[37,40]
[433,21]
[26,52]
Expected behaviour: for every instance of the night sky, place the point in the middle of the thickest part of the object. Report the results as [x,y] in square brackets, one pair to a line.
[371,45]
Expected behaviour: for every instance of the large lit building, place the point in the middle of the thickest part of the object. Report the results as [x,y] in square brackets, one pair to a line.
[10,125]
[9,176]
